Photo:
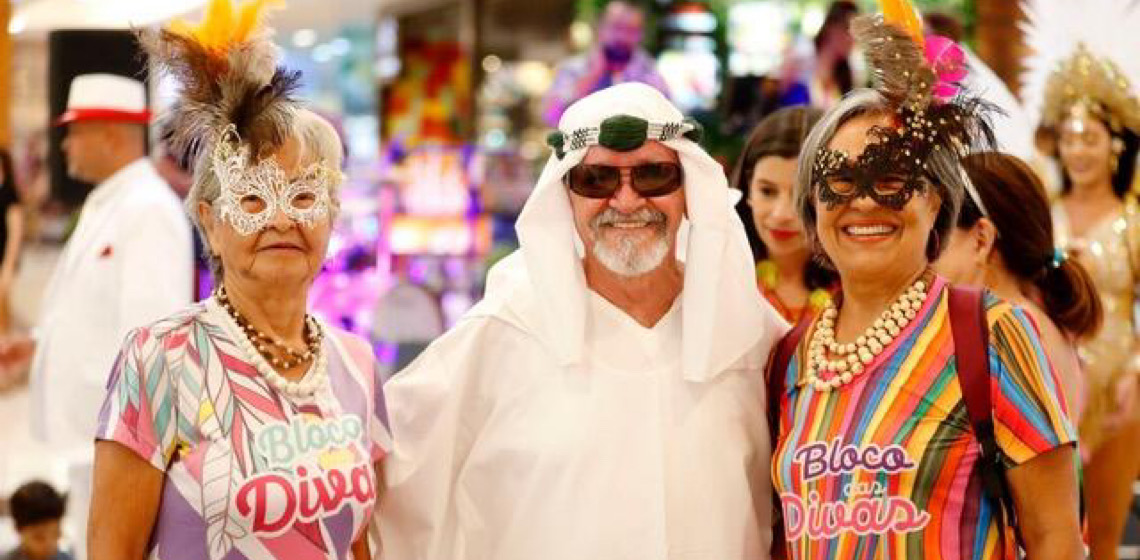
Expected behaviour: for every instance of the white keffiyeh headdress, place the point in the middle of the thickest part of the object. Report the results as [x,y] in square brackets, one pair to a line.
[543,284]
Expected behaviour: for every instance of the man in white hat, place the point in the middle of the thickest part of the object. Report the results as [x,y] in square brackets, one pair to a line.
[606,399]
[128,262]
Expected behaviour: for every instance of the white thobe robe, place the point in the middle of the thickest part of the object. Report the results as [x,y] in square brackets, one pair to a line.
[502,454]
[129,262]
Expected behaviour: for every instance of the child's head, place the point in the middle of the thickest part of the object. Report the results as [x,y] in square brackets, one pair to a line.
[37,509]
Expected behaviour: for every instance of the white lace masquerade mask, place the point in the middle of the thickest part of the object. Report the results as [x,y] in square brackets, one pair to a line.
[253,193]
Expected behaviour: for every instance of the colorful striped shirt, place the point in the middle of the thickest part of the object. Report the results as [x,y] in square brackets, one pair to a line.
[885,466]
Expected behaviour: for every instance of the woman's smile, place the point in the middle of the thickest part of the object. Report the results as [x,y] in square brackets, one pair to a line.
[868,231]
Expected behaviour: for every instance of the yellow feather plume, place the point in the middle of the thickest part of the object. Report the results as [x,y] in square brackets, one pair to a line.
[225,26]
[903,14]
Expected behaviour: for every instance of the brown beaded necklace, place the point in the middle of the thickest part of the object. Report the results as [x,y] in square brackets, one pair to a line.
[265,344]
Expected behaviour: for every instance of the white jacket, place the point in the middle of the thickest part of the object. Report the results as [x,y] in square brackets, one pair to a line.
[129,262]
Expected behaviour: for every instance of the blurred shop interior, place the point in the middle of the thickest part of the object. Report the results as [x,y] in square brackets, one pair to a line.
[439,104]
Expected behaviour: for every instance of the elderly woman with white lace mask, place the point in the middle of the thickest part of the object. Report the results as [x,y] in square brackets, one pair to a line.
[243,426]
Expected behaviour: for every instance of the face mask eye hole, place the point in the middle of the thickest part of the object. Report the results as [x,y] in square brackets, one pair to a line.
[252,204]
[841,185]
[890,185]
[304,201]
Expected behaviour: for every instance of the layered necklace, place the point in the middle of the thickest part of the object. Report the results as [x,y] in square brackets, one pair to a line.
[768,276]
[850,360]
[261,347]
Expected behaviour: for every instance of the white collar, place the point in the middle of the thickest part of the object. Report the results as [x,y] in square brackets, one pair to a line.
[118,181]
[622,341]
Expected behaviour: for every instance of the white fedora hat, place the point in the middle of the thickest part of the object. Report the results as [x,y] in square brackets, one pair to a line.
[105,97]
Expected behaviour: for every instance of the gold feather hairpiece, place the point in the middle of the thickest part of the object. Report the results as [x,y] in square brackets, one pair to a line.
[225,26]
[229,72]
[902,14]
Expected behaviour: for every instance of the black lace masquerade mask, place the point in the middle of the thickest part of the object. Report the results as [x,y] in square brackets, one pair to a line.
[931,113]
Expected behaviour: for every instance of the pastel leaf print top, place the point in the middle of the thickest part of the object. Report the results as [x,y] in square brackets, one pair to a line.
[249,473]
[885,467]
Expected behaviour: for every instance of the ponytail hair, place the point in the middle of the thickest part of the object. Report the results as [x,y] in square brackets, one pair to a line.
[1017,205]
[1070,298]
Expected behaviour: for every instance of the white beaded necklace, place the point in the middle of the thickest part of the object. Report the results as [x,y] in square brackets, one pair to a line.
[825,374]
[313,380]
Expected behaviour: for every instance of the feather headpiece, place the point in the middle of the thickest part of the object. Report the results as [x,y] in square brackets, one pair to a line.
[1082,57]
[229,74]
[921,75]
[920,78]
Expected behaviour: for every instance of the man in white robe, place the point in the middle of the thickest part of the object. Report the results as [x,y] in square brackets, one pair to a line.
[605,400]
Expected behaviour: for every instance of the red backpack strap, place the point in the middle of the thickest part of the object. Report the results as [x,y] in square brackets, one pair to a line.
[970,329]
[775,378]
[777,373]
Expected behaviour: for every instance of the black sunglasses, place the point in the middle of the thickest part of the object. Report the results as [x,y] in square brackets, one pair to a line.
[603,181]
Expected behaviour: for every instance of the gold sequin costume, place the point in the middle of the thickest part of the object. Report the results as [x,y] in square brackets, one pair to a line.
[1110,252]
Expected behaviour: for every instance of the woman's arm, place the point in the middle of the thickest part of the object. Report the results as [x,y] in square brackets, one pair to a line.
[362,545]
[1048,507]
[124,506]
[1035,437]
[360,549]
[15,224]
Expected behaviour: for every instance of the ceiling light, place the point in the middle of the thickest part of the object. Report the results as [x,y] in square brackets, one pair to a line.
[304,38]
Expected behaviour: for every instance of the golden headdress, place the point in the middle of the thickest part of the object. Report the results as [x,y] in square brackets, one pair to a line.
[1081,60]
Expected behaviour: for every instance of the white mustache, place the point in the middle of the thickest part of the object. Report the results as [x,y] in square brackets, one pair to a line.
[609,217]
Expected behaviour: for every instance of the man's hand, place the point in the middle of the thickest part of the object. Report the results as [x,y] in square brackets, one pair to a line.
[15,353]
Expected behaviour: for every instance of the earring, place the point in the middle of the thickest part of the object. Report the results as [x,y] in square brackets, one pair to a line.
[933,246]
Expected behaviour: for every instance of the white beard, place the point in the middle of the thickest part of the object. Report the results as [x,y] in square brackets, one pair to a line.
[630,255]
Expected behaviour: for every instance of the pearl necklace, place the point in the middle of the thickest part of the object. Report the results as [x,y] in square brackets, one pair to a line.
[825,374]
[264,342]
[308,385]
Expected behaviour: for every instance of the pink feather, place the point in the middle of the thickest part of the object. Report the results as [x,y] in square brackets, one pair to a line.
[948,61]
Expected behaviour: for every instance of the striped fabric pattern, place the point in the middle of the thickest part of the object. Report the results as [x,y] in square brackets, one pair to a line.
[884,467]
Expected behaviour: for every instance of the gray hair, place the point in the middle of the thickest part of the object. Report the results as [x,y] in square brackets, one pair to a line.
[944,170]
[317,141]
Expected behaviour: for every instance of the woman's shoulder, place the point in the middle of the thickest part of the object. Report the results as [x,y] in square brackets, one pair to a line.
[176,324]
[1008,322]
[1000,310]
[347,338]
[352,346]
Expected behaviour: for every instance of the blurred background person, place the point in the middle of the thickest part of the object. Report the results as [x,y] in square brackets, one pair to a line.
[617,57]
[829,75]
[792,281]
[128,262]
[1004,242]
[1097,222]
[408,318]
[11,238]
[1081,83]
[37,510]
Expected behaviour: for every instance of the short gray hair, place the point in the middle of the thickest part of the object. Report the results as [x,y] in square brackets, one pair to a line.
[317,140]
[944,170]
